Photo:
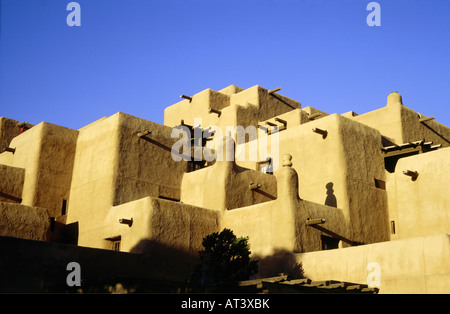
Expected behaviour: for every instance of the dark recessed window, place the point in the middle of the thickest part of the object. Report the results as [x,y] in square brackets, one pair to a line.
[329,243]
[392,227]
[64,207]
[113,243]
[380,184]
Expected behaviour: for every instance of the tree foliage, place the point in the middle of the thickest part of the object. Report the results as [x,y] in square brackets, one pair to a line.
[225,259]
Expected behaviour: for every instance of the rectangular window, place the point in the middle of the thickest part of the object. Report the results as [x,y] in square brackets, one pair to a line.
[392,227]
[113,243]
[64,207]
[380,184]
[265,167]
[52,223]
[116,245]
[329,243]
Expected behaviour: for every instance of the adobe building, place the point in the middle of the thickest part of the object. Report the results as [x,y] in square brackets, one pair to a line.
[351,197]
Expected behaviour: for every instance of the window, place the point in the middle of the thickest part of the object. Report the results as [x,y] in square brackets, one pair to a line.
[329,243]
[64,207]
[392,227]
[265,167]
[380,184]
[116,245]
[113,243]
[52,223]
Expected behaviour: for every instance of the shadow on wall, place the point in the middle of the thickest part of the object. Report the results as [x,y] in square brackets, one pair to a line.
[41,266]
[435,132]
[171,263]
[331,198]
[282,261]
[176,265]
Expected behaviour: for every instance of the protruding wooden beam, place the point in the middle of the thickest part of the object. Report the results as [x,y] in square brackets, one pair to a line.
[9,149]
[186,97]
[144,133]
[218,112]
[128,222]
[436,146]
[335,235]
[421,120]
[284,122]
[270,123]
[324,133]
[316,221]
[412,174]
[274,90]
[11,197]
[264,128]
[254,186]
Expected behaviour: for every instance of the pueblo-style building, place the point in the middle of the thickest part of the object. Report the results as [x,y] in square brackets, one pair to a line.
[354,197]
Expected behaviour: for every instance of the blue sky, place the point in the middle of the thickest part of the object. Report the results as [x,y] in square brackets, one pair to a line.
[138,56]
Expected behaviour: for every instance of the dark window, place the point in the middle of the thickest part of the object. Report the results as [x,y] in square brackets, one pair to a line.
[116,245]
[265,166]
[380,184]
[64,207]
[392,227]
[329,243]
[113,243]
[52,223]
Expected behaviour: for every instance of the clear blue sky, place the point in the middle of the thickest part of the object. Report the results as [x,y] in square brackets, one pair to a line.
[138,56]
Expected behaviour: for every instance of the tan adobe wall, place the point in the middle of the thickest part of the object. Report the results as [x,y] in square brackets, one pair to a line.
[91,190]
[401,124]
[256,104]
[431,130]
[279,226]
[46,152]
[145,166]
[340,170]
[24,222]
[244,107]
[10,128]
[225,185]
[198,107]
[411,266]
[159,223]
[114,166]
[11,183]
[420,207]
